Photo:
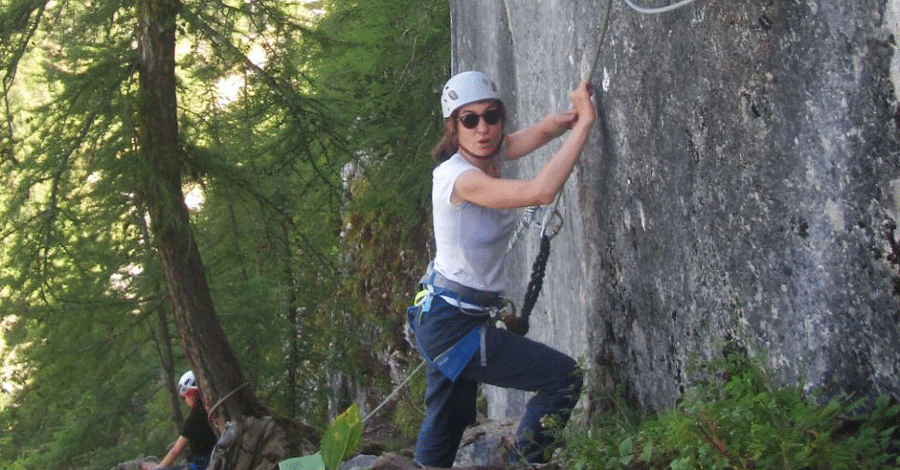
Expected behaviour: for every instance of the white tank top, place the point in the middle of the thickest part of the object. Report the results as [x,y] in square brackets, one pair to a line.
[470,240]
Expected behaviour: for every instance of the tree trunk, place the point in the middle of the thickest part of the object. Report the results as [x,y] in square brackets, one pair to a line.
[294,315]
[164,345]
[160,191]
[163,340]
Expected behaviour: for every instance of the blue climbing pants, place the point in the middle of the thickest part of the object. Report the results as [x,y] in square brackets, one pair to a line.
[513,361]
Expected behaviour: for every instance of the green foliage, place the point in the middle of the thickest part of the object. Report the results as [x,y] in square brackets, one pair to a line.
[309,462]
[737,419]
[384,62]
[379,64]
[338,443]
[80,287]
[341,438]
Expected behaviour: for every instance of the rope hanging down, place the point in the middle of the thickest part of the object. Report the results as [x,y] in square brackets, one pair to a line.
[519,324]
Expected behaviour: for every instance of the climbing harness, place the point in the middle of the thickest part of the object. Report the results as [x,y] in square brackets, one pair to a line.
[440,285]
[487,305]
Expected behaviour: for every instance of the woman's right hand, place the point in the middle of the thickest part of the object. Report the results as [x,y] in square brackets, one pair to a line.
[581,101]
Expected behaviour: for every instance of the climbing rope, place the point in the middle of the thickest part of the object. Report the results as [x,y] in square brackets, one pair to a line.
[526,220]
[657,10]
[537,281]
[548,230]
[529,215]
[394,393]
[227,396]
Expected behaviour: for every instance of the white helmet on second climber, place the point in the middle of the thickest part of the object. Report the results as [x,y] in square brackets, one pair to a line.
[186,382]
[467,87]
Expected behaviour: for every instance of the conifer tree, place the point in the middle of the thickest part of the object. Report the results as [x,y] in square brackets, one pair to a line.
[105,150]
[111,111]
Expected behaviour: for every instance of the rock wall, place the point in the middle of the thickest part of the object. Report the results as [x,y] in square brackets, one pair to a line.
[741,185]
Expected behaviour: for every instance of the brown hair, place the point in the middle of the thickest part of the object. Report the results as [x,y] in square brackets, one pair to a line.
[449,143]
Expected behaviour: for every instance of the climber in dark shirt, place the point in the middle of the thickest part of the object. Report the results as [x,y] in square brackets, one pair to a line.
[196,434]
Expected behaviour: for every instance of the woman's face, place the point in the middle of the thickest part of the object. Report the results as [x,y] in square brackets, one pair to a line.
[486,132]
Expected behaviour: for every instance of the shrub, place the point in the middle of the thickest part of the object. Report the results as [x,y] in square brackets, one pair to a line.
[737,419]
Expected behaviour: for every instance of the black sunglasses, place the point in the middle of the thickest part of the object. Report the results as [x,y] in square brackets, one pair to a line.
[491,117]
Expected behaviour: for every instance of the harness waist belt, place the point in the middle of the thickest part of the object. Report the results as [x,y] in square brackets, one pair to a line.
[460,292]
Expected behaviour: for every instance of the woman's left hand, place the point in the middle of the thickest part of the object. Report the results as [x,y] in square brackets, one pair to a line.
[566,120]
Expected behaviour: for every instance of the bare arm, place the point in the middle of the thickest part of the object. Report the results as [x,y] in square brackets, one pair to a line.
[481,189]
[174,452]
[527,140]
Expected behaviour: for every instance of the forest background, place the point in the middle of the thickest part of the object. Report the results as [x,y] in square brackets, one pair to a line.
[303,131]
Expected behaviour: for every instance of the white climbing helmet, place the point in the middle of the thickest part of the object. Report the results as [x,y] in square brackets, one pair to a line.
[467,87]
[186,382]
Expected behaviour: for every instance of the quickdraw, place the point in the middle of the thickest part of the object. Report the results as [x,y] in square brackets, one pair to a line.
[551,223]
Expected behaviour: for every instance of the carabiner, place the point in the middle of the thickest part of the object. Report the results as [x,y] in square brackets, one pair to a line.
[552,225]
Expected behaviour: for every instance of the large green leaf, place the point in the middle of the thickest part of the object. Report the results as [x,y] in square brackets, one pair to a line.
[309,462]
[341,437]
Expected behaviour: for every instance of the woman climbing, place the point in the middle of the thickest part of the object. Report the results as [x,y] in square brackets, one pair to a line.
[196,435]
[473,221]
